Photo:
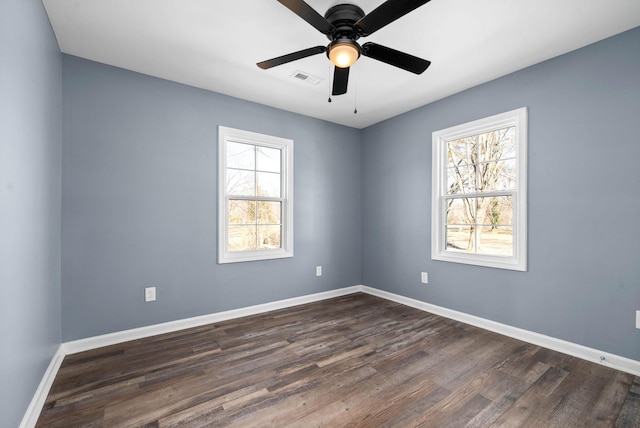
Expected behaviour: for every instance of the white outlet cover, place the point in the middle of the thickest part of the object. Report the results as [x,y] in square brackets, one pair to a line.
[424,277]
[637,319]
[318,270]
[150,294]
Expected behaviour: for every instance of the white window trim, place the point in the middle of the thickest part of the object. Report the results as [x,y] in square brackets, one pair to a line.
[286,145]
[518,261]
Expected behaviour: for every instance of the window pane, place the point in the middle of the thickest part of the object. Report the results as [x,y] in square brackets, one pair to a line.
[493,176]
[496,241]
[268,159]
[495,211]
[268,184]
[496,145]
[461,179]
[242,238]
[241,156]
[460,153]
[269,212]
[460,238]
[506,175]
[268,237]
[241,183]
[461,211]
[242,212]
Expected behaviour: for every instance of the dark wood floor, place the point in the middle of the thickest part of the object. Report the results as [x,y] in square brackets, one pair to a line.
[356,360]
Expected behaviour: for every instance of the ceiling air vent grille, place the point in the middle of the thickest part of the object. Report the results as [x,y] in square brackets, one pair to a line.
[306,77]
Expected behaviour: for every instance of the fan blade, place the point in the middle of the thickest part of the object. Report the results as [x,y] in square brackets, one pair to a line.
[306,12]
[340,81]
[386,13]
[291,57]
[396,58]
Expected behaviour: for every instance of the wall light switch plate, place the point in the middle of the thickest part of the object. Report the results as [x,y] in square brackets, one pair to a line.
[150,294]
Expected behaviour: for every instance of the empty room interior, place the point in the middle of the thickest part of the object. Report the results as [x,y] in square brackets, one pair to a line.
[208,219]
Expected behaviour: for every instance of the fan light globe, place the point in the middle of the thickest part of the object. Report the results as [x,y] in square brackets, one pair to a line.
[343,55]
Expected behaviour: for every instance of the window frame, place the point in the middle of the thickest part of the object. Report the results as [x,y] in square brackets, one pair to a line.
[518,261]
[285,145]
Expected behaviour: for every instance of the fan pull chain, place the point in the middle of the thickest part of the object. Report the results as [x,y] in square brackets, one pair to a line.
[355,93]
[330,80]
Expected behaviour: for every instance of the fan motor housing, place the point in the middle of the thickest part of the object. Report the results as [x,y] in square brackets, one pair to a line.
[343,17]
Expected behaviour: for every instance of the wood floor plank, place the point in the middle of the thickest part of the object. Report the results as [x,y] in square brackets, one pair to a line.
[355,360]
[630,413]
[611,396]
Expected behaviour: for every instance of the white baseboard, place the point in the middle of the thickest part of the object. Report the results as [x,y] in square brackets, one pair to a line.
[594,355]
[33,411]
[94,342]
[600,357]
[590,354]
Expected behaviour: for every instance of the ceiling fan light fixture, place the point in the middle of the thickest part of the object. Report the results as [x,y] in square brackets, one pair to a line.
[343,53]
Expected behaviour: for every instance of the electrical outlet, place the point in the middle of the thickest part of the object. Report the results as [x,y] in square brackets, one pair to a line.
[150,294]
[424,277]
[637,319]
[318,270]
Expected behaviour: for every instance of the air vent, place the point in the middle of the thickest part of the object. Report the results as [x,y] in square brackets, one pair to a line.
[306,77]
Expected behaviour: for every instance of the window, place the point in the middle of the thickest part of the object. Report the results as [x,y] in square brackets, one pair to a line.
[255,196]
[479,201]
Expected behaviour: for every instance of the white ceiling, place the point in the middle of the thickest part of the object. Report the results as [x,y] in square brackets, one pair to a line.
[215,44]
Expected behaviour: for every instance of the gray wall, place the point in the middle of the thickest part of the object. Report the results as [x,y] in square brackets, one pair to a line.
[30,129]
[139,202]
[583,282]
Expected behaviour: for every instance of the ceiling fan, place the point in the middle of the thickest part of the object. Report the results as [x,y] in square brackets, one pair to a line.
[344,24]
